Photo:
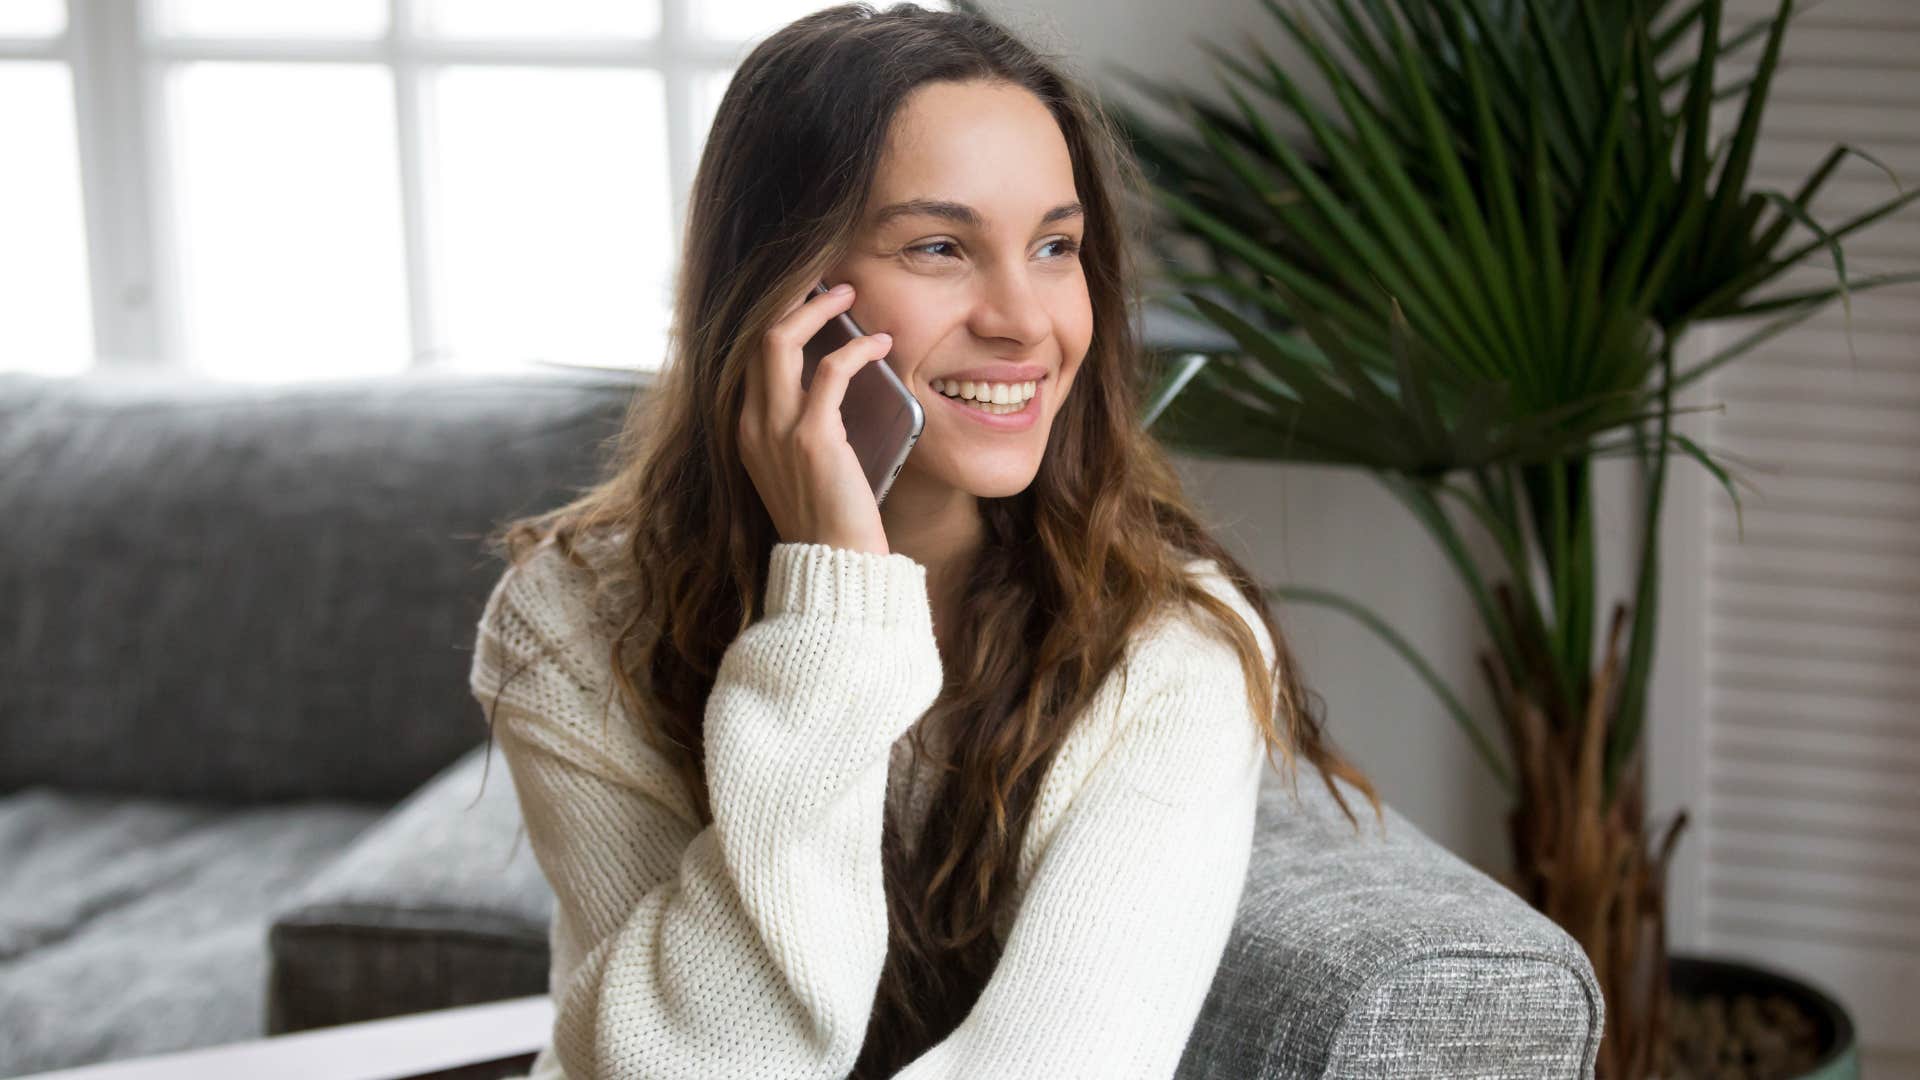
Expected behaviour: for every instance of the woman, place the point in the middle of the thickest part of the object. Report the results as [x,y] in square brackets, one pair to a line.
[958,786]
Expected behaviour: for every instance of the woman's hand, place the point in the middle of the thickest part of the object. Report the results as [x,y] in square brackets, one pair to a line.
[792,440]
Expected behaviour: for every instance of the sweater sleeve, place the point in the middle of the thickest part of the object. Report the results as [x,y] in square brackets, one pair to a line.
[752,946]
[1123,924]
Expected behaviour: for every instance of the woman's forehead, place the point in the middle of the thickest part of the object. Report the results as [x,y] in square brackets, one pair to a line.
[969,154]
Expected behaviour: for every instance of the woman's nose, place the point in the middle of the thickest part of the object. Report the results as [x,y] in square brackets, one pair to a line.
[1011,307]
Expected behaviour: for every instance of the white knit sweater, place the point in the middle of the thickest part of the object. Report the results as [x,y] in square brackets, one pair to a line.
[753,947]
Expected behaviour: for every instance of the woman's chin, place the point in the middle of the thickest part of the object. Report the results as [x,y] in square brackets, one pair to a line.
[998,483]
[982,474]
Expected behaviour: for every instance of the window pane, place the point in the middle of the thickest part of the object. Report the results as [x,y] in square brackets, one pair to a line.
[740,20]
[32,18]
[288,219]
[708,88]
[551,215]
[549,19]
[281,18]
[45,316]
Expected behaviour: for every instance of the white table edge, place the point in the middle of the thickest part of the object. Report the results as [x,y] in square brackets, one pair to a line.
[372,1050]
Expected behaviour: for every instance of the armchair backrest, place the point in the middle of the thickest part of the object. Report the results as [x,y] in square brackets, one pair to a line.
[243,592]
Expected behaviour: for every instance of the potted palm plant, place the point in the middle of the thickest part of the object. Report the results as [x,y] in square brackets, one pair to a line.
[1470,281]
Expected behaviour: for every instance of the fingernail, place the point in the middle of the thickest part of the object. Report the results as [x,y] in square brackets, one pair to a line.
[841,289]
[883,338]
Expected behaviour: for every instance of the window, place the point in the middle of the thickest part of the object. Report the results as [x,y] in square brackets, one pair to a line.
[315,188]
[45,316]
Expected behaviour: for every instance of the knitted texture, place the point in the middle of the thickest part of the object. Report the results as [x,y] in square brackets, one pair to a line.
[753,947]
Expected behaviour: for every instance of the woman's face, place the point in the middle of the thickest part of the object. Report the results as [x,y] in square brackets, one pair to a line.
[968,256]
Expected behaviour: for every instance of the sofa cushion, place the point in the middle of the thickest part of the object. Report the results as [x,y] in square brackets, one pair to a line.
[133,926]
[249,592]
[440,904]
[1373,957]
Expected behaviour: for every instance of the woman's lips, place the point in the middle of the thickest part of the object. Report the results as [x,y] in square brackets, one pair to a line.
[1007,422]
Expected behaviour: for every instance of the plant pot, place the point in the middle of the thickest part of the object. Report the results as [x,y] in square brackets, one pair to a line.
[1835,1052]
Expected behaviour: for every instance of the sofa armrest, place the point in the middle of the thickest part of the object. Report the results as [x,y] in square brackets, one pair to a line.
[1370,956]
[437,904]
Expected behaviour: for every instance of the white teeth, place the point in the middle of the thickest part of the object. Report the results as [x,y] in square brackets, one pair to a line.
[997,410]
[991,393]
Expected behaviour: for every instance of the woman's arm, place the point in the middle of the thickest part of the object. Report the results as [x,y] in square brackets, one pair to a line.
[1119,932]
[752,946]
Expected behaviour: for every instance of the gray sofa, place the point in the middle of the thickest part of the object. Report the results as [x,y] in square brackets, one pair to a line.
[244,791]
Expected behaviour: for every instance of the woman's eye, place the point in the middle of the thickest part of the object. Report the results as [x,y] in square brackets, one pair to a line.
[1066,245]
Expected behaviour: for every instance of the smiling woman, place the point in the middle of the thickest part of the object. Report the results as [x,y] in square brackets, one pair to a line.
[975,800]
[976,270]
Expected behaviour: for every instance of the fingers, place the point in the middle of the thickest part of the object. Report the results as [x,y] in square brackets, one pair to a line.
[836,370]
[785,355]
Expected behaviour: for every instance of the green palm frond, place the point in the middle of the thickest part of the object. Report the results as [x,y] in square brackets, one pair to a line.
[1477,255]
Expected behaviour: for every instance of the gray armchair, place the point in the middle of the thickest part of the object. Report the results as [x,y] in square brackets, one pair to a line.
[244,791]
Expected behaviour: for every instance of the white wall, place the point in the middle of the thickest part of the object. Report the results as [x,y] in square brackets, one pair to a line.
[1340,530]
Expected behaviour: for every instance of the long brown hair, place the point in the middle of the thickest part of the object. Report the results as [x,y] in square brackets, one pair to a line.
[1069,568]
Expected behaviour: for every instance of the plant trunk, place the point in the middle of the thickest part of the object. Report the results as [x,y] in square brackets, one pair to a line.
[1585,860]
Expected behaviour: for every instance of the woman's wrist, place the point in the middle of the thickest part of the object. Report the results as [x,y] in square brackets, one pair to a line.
[842,583]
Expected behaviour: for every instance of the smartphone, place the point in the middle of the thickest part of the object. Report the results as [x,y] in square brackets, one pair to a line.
[882,417]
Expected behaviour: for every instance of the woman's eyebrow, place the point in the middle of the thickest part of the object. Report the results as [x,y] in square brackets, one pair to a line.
[960,213]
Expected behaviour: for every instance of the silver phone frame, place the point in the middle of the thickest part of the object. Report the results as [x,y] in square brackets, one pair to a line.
[883,418]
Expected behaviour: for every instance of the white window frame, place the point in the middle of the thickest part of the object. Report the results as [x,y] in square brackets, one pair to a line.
[119,65]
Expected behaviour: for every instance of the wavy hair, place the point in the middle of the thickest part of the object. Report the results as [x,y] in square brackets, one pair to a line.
[1069,568]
